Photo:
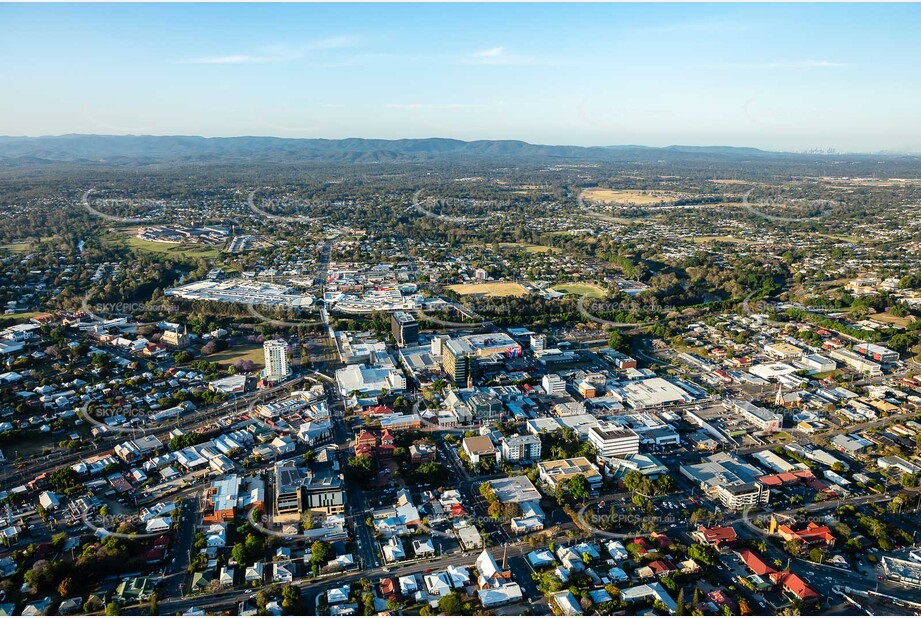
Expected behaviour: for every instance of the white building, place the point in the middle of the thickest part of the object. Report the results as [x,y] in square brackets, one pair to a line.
[276,359]
[613,440]
[553,384]
[521,448]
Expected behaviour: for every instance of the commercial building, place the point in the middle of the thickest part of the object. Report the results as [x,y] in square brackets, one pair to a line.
[479,448]
[288,481]
[654,392]
[726,478]
[405,328]
[558,472]
[857,362]
[521,448]
[877,352]
[515,489]
[493,343]
[763,419]
[369,381]
[553,384]
[323,491]
[783,351]
[613,440]
[458,360]
[276,360]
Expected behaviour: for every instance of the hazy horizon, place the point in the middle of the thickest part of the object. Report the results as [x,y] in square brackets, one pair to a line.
[784,77]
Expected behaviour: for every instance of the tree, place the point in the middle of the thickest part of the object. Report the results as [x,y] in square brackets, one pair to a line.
[578,487]
[153,604]
[290,598]
[816,555]
[320,552]
[451,605]
[793,547]
[681,609]
[113,609]
[238,553]
[704,554]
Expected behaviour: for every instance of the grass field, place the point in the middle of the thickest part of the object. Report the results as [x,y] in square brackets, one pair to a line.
[629,196]
[25,315]
[523,245]
[229,356]
[174,250]
[732,239]
[494,289]
[582,289]
[17,247]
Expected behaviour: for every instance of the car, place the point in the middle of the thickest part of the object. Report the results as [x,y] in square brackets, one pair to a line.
[428,570]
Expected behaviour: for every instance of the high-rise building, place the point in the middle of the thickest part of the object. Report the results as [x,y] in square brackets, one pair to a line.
[538,343]
[457,360]
[276,359]
[405,328]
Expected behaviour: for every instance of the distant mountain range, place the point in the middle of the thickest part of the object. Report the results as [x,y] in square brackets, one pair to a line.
[148,149]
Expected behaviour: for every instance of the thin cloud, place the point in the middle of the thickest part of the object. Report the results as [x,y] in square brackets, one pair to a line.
[698,26]
[278,53]
[231,59]
[417,106]
[792,64]
[490,53]
[335,42]
[498,56]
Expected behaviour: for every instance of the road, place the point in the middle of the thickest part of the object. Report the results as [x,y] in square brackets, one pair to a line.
[194,420]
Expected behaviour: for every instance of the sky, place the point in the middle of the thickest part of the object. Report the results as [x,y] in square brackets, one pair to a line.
[774,76]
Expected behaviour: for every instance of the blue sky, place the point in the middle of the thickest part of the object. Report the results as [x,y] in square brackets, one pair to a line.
[775,76]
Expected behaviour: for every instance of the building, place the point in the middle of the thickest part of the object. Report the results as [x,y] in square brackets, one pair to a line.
[458,361]
[553,384]
[369,381]
[490,344]
[762,418]
[783,351]
[726,478]
[538,343]
[479,448]
[813,535]
[287,492]
[139,448]
[276,360]
[877,352]
[405,328]
[558,472]
[856,362]
[613,440]
[323,491]
[173,339]
[518,490]
[518,449]
[720,537]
